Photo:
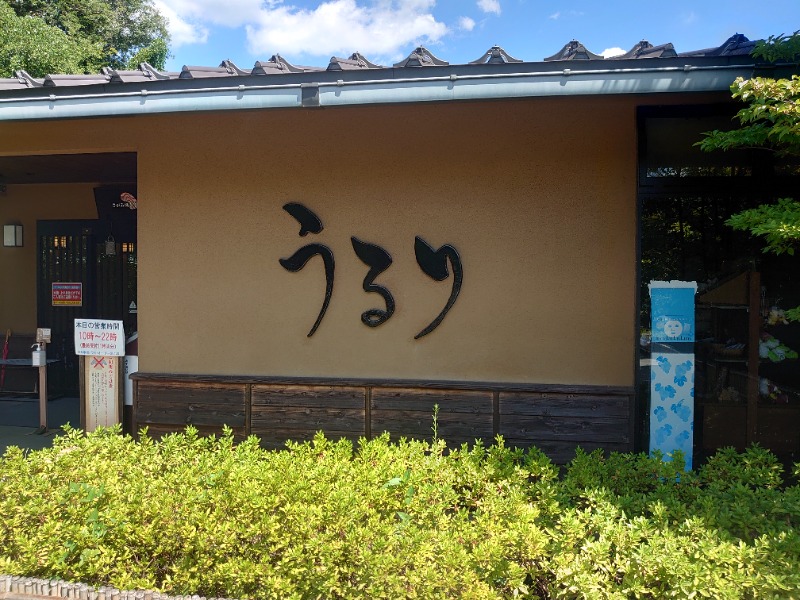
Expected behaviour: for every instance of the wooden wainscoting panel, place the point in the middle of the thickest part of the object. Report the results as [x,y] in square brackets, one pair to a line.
[464,416]
[297,412]
[564,421]
[165,406]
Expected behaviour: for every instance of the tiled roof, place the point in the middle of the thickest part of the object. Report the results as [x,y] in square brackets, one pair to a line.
[645,49]
[736,45]
[574,50]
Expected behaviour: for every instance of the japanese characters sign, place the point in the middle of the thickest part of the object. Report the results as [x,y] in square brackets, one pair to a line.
[67,294]
[102,381]
[97,337]
[432,262]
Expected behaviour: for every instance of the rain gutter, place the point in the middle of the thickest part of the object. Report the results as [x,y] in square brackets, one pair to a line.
[58,103]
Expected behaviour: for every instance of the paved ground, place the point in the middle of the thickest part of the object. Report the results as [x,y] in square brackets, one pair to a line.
[19,421]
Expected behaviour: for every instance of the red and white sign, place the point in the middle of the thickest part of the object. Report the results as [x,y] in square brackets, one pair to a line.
[67,294]
[98,337]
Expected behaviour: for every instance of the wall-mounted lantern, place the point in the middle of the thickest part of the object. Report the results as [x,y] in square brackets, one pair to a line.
[12,235]
[110,246]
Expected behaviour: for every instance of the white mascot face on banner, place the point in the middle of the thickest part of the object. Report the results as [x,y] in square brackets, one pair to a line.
[673,328]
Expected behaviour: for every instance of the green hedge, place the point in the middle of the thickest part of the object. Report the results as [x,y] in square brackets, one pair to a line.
[194,515]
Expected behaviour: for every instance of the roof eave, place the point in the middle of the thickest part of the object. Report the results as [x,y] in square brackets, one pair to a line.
[384,86]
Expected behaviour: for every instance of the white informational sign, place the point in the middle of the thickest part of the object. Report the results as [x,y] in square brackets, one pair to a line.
[102,381]
[98,337]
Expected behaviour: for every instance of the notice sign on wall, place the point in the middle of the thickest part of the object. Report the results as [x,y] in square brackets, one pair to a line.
[98,337]
[67,294]
[101,377]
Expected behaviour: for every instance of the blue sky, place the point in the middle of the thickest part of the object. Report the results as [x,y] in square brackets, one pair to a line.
[309,32]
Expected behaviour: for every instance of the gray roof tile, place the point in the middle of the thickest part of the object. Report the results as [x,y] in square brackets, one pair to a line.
[574,50]
[421,57]
[736,45]
[354,63]
[645,49]
[279,65]
[494,56]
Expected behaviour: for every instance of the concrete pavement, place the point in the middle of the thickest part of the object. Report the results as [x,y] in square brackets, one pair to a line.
[19,421]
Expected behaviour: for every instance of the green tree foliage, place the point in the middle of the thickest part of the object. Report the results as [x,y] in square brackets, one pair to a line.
[80,36]
[769,120]
[29,43]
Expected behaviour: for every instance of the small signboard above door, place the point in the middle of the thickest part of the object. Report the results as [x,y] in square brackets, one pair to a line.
[67,293]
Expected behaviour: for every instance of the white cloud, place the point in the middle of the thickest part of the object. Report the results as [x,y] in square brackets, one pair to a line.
[230,13]
[690,18]
[466,24]
[325,28]
[181,31]
[489,6]
[344,26]
[572,13]
[609,52]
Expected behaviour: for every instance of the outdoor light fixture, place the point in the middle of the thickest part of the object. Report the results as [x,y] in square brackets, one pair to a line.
[110,246]
[12,235]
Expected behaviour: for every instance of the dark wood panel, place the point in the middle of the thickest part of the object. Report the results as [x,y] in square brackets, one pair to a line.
[308,396]
[420,425]
[578,430]
[387,383]
[463,415]
[314,419]
[282,412]
[179,392]
[554,418]
[564,405]
[461,401]
[191,414]
[171,406]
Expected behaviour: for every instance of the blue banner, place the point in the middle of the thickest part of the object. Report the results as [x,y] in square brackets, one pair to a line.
[672,311]
[672,368]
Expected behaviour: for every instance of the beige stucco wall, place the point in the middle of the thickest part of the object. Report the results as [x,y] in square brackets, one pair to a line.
[538,196]
[25,204]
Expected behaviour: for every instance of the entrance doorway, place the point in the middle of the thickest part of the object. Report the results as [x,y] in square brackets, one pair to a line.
[82,273]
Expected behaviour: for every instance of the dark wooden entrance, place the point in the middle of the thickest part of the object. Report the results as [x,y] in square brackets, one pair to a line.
[75,252]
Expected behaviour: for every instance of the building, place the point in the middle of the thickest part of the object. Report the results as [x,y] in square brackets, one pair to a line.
[344,248]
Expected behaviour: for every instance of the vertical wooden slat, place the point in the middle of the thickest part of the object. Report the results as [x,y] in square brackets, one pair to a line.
[753,359]
[248,409]
[495,413]
[368,412]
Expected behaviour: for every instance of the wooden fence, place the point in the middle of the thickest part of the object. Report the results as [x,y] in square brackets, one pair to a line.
[555,418]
